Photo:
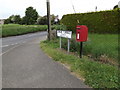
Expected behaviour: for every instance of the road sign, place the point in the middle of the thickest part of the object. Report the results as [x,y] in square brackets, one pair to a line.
[65,34]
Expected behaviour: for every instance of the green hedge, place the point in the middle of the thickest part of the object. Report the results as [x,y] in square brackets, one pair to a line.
[97,22]
[16,29]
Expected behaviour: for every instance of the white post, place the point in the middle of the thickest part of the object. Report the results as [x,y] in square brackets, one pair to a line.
[68,45]
[60,43]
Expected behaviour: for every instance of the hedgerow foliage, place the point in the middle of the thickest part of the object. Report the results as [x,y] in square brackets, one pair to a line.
[97,22]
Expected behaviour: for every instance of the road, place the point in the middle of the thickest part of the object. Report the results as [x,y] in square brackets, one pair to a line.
[25,65]
[16,40]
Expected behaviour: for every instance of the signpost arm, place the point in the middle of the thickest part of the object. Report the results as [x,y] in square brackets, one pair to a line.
[65,34]
[81,49]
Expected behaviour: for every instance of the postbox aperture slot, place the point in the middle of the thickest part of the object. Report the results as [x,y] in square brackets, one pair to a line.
[78,28]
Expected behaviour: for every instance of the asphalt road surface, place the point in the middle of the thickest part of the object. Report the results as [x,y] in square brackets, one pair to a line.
[25,65]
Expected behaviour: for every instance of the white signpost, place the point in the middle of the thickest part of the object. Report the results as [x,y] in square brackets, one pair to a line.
[65,34]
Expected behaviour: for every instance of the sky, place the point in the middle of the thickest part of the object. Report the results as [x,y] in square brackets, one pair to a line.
[57,7]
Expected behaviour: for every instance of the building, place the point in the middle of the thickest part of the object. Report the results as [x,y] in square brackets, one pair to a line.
[2,21]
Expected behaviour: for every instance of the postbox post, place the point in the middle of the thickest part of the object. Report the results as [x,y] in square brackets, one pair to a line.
[81,49]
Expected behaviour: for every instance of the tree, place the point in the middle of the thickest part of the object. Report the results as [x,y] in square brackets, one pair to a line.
[13,19]
[31,16]
[9,20]
[16,19]
[24,20]
[116,6]
[43,20]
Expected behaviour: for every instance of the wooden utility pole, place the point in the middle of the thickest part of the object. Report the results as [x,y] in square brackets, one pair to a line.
[48,19]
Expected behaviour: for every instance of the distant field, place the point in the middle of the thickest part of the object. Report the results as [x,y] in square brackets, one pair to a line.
[15,29]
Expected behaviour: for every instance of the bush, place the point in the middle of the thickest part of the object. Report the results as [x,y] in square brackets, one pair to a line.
[58,27]
[97,22]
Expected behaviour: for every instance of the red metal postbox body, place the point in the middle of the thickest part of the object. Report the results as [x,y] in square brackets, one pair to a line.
[81,33]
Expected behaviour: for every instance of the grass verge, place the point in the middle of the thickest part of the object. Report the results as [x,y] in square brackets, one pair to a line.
[15,29]
[96,75]
[100,47]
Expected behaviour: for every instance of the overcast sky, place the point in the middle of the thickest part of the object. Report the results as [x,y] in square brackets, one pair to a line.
[58,7]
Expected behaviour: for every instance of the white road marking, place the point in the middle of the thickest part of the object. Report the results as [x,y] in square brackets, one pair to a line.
[4,46]
[11,44]
[9,50]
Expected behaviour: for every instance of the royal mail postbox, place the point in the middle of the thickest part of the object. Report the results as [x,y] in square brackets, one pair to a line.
[81,33]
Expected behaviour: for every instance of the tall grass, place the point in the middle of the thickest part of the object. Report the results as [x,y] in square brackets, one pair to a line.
[98,46]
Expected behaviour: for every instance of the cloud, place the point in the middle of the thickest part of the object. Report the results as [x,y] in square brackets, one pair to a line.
[58,7]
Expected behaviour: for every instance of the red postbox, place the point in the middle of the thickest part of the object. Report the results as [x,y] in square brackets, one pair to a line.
[81,33]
